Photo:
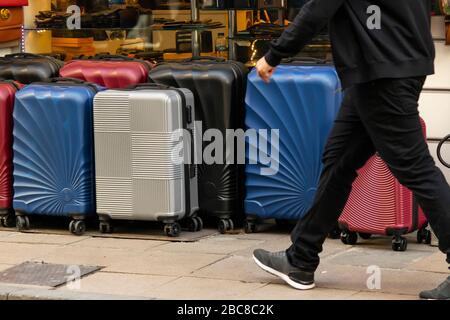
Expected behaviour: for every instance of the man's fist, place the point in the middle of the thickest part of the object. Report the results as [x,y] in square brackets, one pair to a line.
[265,70]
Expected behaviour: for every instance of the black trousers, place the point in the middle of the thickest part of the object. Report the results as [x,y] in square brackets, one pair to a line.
[381,116]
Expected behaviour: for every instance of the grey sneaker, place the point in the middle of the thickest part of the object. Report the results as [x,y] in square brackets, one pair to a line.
[442,292]
[277,264]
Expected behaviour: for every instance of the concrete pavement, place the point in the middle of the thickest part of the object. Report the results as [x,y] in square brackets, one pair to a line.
[219,267]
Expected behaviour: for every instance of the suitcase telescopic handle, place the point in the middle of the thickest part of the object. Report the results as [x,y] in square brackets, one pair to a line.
[148,86]
[305,60]
[205,58]
[439,151]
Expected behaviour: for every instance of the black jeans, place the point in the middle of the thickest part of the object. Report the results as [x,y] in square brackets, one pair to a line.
[381,116]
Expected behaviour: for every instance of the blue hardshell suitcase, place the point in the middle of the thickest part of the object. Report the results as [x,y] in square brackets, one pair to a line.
[53,152]
[301,101]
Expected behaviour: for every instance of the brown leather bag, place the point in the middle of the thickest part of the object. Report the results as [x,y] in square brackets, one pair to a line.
[11,21]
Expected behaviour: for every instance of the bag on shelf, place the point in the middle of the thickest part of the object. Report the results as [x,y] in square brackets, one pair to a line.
[379,204]
[54,152]
[11,21]
[301,102]
[137,176]
[27,68]
[110,71]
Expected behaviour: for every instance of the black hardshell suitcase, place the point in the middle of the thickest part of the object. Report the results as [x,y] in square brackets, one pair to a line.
[27,68]
[219,92]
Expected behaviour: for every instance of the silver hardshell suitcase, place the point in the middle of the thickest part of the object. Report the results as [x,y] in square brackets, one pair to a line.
[136,134]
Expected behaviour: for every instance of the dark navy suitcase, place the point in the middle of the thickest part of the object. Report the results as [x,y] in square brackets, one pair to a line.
[301,101]
[53,152]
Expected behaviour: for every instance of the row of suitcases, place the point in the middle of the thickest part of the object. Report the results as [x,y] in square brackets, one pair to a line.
[54,158]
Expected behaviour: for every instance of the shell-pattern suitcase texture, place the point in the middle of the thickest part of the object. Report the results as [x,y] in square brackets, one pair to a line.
[137,177]
[8,90]
[302,102]
[108,71]
[219,90]
[27,68]
[380,205]
[53,152]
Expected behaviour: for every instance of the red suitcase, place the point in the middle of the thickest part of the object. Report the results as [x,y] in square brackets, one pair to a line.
[380,205]
[7,92]
[112,72]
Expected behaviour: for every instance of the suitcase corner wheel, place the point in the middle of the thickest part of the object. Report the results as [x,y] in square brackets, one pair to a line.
[351,238]
[22,222]
[250,226]
[172,229]
[7,219]
[193,224]
[225,225]
[77,226]
[424,235]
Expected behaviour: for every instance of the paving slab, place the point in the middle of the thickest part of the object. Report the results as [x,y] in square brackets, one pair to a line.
[114,243]
[15,253]
[392,281]
[215,245]
[200,288]
[433,263]
[234,268]
[384,258]
[6,291]
[82,255]
[283,292]
[381,296]
[163,263]
[123,284]
[7,232]
[32,238]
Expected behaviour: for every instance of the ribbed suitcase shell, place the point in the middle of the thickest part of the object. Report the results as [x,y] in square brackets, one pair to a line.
[379,204]
[53,150]
[27,68]
[135,175]
[219,91]
[7,94]
[110,74]
[302,102]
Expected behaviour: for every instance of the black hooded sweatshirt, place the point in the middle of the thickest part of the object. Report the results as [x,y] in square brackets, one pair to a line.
[371,39]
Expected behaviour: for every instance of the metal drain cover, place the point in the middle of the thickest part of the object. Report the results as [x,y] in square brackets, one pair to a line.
[44,274]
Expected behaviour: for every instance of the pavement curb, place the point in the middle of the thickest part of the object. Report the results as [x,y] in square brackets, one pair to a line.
[19,293]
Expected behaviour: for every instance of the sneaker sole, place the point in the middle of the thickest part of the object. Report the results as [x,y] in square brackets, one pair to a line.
[284,277]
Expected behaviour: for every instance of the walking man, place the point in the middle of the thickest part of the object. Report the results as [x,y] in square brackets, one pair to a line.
[383,51]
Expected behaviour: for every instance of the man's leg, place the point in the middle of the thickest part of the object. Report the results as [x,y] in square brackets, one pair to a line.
[389,110]
[348,149]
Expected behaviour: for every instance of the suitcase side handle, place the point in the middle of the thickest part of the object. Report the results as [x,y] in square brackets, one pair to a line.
[305,60]
[148,86]
[24,55]
[439,151]
[205,58]
[112,57]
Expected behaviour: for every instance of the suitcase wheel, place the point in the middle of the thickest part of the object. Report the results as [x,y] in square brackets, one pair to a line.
[399,244]
[250,227]
[77,227]
[8,221]
[424,236]
[105,227]
[194,224]
[172,229]
[225,225]
[349,238]
[22,223]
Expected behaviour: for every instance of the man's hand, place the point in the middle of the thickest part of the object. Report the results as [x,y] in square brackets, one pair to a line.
[265,70]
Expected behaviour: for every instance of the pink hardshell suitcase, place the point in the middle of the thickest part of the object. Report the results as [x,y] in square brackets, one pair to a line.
[380,205]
